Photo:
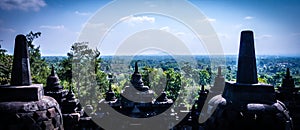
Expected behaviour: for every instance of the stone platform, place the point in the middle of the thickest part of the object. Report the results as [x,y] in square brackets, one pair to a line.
[32,92]
[249,93]
[34,115]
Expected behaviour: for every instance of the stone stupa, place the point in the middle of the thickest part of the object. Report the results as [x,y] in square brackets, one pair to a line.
[247,104]
[23,105]
[137,91]
[53,87]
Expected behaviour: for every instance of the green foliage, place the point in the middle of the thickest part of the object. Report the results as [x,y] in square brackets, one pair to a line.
[81,71]
[155,78]
[161,72]
[173,83]
[277,78]
[103,83]
[204,77]
[38,66]
[5,66]
[229,76]
[64,70]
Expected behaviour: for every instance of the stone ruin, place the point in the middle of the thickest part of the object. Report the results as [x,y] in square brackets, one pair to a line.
[245,104]
[23,105]
[136,101]
[290,96]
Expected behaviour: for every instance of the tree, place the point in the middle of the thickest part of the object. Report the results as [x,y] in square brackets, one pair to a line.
[155,78]
[64,71]
[229,75]
[277,78]
[38,66]
[5,66]
[81,71]
[204,77]
[173,85]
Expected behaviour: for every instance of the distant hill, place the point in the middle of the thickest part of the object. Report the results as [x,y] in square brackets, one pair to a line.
[269,67]
[53,59]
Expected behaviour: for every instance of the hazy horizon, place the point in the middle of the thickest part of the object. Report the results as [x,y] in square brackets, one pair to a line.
[272,55]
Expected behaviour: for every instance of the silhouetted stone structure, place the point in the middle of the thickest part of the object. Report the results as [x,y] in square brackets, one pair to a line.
[248,104]
[290,96]
[136,80]
[70,103]
[53,88]
[197,111]
[21,68]
[219,83]
[163,98]
[202,97]
[136,101]
[110,95]
[247,71]
[136,91]
[288,85]
[215,90]
[23,105]
[71,111]
[73,115]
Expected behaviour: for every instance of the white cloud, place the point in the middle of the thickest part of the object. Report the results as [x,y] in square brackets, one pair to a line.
[82,13]
[248,18]
[166,28]
[10,30]
[266,36]
[52,27]
[138,19]
[22,4]
[210,20]
[207,20]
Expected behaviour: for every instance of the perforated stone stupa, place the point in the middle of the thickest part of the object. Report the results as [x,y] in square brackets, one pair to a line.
[247,104]
[137,91]
[23,104]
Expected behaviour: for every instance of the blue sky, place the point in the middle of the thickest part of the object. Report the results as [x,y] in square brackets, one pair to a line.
[275,24]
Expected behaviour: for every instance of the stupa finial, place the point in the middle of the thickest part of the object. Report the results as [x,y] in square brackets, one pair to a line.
[20,75]
[247,71]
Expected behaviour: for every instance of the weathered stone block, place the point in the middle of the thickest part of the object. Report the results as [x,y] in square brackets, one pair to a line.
[51,113]
[249,93]
[33,92]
